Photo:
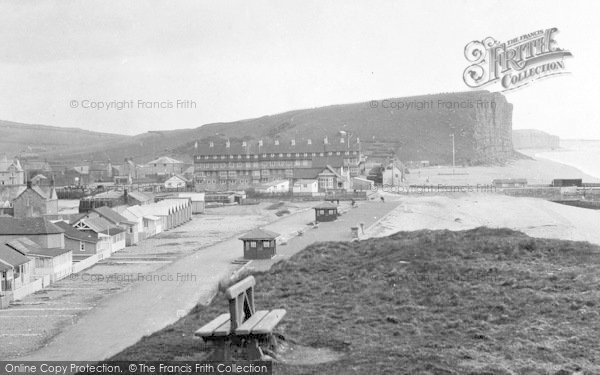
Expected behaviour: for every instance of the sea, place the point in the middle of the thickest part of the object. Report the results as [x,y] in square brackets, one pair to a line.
[581,154]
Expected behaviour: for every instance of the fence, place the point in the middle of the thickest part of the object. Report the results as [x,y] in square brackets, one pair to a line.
[28,289]
[90,261]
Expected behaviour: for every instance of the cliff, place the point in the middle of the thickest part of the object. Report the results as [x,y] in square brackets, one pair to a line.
[531,138]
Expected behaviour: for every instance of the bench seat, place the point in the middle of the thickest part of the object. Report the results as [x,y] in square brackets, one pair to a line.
[260,323]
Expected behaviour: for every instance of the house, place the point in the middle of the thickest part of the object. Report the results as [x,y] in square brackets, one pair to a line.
[259,244]
[273,187]
[55,262]
[34,201]
[176,182]
[104,230]
[151,224]
[40,180]
[82,244]
[11,172]
[130,226]
[361,184]
[509,182]
[329,179]
[306,186]
[198,203]
[99,171]
[392,176]
[38,229]
[16,270]
[164,165]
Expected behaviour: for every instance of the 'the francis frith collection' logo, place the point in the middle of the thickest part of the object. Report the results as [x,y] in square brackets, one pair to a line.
[514,63]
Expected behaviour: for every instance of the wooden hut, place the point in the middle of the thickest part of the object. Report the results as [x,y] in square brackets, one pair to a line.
[326,211]
[259,244]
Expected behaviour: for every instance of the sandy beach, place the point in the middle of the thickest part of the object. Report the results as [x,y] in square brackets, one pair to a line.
[535,217]
[536,171]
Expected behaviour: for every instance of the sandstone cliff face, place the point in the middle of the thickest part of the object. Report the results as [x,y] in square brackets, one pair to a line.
[492,138]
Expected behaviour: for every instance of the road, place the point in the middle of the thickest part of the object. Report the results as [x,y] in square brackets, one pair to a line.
[175,289]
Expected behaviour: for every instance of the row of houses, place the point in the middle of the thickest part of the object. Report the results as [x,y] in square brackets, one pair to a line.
[37,251]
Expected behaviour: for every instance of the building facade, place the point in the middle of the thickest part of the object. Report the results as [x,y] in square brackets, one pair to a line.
[222,166]
[11,172]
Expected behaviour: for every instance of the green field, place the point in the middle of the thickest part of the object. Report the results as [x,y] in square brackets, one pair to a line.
[482,301]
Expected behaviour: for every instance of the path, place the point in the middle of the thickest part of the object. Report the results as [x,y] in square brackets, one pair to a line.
[148,306]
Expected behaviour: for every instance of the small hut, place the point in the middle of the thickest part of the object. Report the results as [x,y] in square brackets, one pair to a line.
[326,211]
[259,244]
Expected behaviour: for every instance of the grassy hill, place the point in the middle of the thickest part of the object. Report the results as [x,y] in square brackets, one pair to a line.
[479,302]
[17,138]
[412,133]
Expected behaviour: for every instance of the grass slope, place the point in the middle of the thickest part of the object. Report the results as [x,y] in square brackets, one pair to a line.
[483,301]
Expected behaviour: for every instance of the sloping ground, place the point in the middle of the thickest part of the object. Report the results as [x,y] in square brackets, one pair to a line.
[17,138]
[482,301]
[417,128]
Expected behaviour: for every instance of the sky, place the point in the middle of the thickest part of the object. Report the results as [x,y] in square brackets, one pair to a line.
[231,60]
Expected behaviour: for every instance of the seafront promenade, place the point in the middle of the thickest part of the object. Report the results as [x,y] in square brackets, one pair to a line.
[147,306]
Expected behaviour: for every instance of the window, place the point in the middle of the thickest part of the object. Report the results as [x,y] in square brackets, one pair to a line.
[266,243]
[81,246]
[331,212]
[252,243]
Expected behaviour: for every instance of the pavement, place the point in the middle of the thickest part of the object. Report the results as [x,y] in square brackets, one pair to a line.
[162,297]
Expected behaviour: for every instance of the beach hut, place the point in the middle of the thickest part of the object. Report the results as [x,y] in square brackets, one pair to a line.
[259,244]
[326,211]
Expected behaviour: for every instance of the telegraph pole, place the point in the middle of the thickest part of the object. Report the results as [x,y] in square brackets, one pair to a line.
[453,155]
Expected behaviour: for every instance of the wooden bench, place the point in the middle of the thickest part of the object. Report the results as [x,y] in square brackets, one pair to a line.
[243,326]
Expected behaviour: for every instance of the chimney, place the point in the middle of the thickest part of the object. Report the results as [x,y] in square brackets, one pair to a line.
[126,196]
[28,184]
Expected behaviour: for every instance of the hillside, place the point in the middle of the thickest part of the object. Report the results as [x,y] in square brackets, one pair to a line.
[415,128]
[532,138]
[482,301]
[26,139]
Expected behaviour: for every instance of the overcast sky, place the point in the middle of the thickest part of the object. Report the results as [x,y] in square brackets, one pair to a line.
[244,59]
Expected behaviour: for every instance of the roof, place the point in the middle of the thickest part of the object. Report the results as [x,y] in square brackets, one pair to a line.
[11,256]
[4,267]
[326,205]
[78,235]
[27,247]
[272,183]
[51,195]
[27,226]
[196,197]
[259,234]
[178,177]
[5,164]
[307,173]
[138,195]
[265,146]
[306,181]
[165,160]
[112,215]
